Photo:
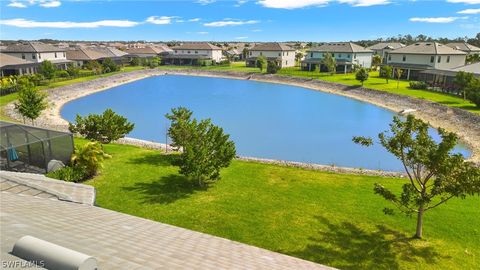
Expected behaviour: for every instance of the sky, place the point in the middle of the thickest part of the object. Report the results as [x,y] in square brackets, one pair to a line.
[236,20]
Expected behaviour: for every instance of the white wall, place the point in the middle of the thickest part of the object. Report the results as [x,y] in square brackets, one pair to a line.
[364,59]
[424,59]
[215,55]
[40,57]
[287,57]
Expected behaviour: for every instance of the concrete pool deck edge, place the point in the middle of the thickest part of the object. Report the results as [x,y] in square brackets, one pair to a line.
[462,122]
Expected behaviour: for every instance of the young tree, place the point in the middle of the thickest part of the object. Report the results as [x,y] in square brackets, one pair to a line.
[330,63]
[94,66]
[473,91]
[398,73]
[206,149]
[261,62]
[180,119]
[154,62]
[362,75]
[103,128]
[31,102]
[89,157]
[386,72]
[272,67]
[298,57]
[135,61]
[72,70]
[109,66]
[462,80]
[376,61]
[47,69]
[435,174]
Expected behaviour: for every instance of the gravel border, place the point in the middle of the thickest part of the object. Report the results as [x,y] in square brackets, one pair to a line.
[462,122]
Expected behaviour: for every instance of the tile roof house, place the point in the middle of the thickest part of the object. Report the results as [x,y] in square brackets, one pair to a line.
[463,46]
[11,65]
[194,53]
[383,48]
[425,55]
[38,52]
[346,54]
[82,55]
[273,51]
[149,51]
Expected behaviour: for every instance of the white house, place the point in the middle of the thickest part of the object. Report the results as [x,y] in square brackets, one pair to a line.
[346,54]
[281,53]
[383,48]
[425,55]
[463,46]
[38,52]
[193,54]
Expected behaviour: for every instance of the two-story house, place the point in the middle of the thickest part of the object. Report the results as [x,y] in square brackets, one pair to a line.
[346,54]
[284,55]
[463,46]
[421,56]
[383,48]
[193,54]
[38,52]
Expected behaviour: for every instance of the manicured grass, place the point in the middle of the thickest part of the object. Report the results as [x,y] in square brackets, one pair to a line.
[4,100]
[328,218]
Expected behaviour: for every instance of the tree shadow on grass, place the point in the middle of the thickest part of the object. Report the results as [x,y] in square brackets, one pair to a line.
[347,246]
[165,190]
[158,159]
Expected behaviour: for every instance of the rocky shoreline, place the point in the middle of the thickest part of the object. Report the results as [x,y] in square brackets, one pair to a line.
[464,123]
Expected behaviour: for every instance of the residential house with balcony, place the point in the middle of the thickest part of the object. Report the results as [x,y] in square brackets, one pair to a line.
[11,65]
[346,54]
[274,51]
[199,53]
[383,48]
[38,52]
[422,56]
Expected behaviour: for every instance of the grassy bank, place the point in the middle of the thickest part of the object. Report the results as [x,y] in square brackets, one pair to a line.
[328,218]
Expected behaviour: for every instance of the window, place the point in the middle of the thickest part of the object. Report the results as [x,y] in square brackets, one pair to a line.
[340,56]
[55,55]
[439,59]
[188,51]
[333,55]
[348,55]
[389,57]
[311,55]
[196,51]
[23,56]
[33,56]
[279,54]
[432,59]
[404,58]
[448,59]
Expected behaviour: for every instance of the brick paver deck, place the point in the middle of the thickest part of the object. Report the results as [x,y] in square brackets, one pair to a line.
[121,241]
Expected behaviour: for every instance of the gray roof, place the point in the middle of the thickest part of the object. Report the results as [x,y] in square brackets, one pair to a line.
[85,54]
[386,45]
[196,46]
[271,46]
[471,68]
[463,46]
[32,47]
[8,60]
[427,48]
[109,51]
[340,47]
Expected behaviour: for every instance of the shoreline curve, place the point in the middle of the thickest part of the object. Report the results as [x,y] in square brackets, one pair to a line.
[464,123]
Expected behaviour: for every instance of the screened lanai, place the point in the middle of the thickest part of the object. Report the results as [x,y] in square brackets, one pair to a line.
[30,149]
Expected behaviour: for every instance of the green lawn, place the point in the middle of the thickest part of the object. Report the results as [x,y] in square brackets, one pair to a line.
[328,218]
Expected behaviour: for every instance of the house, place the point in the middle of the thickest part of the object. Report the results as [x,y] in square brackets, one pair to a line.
[194,54]
[116,55]
[11,65]
[81,55]
[148,51]
[383,48]
[465,47]
[38,52]
[346,54]
[281,53]
[445,78]
[234,54]
[424,55]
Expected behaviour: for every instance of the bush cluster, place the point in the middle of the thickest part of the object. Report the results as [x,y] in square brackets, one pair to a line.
[418,85]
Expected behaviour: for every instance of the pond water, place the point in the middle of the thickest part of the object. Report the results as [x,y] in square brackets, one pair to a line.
[264,120]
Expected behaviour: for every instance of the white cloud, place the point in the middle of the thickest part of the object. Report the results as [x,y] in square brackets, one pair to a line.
[241,37]
[471,2]
[436,19]
[42,3]
[23,23]
[257,30]
[161,19]
[292,4]
[365,3]
[17,4]
[470,11]
[205,2]
[49,4]
[202,33]
[194,20]
[240,2]
[229,23]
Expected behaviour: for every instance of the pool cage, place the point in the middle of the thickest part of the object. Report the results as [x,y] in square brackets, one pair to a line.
[30,149]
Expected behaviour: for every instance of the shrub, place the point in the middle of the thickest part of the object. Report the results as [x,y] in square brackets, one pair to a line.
[109,66]
[135,61]
[261,62]
[69,174]
[47,69]
[418,85]
[473,91]
[89,158]
[386,72]
[62,74]
[272,67]
[72,70]
[103,128]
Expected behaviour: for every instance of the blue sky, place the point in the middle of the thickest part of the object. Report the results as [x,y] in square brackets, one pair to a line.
[251,20]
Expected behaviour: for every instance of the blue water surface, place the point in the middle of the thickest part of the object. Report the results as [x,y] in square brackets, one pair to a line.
[264,120]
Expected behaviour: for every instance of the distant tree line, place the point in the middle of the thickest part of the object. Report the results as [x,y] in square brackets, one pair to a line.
[409,39]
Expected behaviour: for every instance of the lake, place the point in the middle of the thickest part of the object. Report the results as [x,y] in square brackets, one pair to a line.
[264,120]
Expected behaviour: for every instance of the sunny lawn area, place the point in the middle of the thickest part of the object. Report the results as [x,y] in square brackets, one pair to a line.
[328,218]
